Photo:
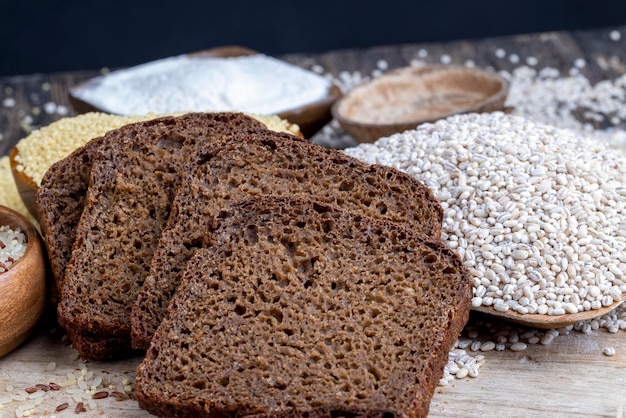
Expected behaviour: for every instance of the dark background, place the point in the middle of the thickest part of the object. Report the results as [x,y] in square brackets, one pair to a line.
[68,35]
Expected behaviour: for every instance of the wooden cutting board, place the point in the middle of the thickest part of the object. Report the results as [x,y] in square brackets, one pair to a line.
[569,378]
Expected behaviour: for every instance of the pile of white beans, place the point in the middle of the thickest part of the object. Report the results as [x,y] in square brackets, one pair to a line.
[537,213]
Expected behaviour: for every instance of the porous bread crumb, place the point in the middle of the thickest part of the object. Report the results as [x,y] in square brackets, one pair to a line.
[9,195]
[334,329]
[51,143]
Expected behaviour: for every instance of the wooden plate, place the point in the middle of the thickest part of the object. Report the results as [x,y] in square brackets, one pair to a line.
[406,97]
[548,321]
[310,118]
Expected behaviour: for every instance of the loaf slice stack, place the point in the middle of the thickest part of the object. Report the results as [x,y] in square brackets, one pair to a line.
[133,174]
[63,186]
[298,308]
[234,170]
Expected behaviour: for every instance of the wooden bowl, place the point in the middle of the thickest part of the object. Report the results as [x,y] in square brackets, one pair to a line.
[26,186]
[23,290]
[404,98]
[310,117]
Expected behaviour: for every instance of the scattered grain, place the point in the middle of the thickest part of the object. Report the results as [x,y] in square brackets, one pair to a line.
[50,107]
[80,407]
[62,110]
[518,346]
[82,385]
[615,35]
[35,395]
[62,407]
[462,373]
[73,355]
[100,395]
[532,61]
[609,351]
[488,346]
[67,383]
[119,396]
[8,102]
[19,397]
[534,340]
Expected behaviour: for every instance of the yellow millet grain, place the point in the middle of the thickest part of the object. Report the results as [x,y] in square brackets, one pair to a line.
[275,123]
[49,144]
[9,196]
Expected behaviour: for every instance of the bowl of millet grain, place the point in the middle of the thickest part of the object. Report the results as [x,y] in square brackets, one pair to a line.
[34,154]
[23,291]
[406,97]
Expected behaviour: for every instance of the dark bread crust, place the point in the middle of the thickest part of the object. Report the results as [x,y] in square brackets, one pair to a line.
[236,170]
[60,202]
[304,309]
[133,174]
[101,348]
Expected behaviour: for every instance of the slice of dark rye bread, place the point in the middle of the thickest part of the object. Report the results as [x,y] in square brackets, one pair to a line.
[61,196]
[304,309]
[60,202]
[134,173]
[235,170]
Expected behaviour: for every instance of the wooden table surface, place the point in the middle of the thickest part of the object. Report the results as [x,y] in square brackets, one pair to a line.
[570,377]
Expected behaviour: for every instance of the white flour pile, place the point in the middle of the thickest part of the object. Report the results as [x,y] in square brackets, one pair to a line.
[537,213]
[252,84]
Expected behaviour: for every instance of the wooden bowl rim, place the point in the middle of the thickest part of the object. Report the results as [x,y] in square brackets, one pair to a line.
[13,162]
[548,321]
[26,186]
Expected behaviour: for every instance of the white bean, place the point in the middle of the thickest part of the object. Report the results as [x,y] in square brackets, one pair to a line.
[609,351]
[518,346]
